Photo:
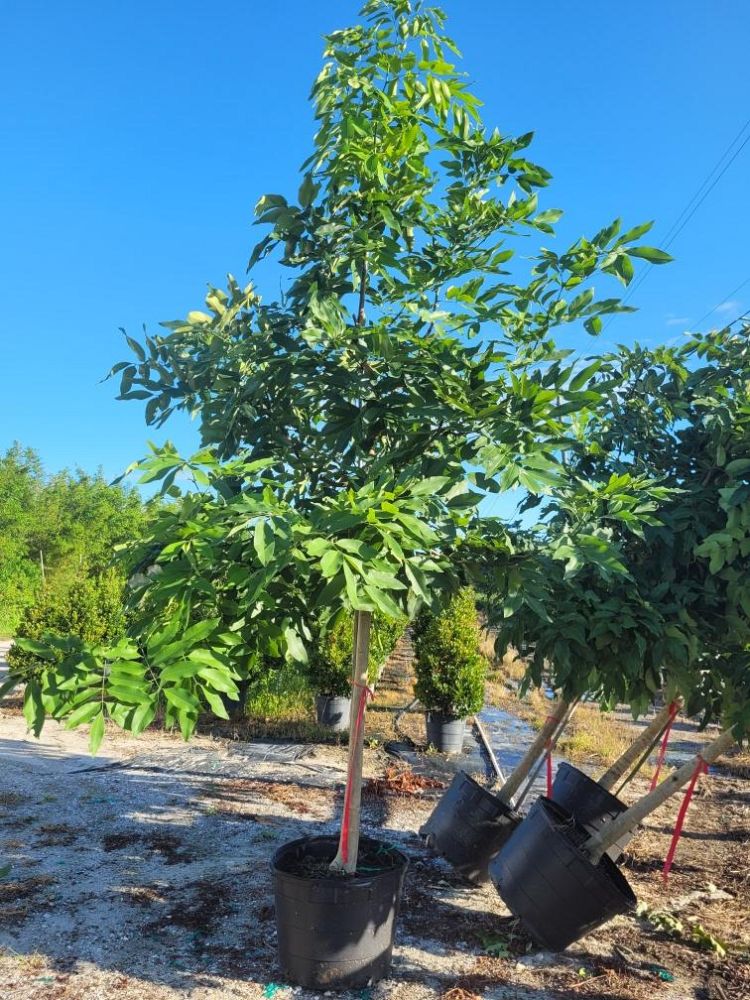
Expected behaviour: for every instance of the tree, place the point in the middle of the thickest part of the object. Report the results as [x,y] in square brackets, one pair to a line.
[630,597]
[350,427]
[54,529]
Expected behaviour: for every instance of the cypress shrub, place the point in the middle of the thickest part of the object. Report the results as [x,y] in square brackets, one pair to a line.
[450,667]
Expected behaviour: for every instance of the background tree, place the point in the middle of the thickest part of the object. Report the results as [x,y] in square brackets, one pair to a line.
[665,606]
[55,529]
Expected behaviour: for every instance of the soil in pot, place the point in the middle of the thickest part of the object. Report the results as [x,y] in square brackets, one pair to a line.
[336,931]
[333,712]
[445,732]
[468,827]
[547,880]
[591,805]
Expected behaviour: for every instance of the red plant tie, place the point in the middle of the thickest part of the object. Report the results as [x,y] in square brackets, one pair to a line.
[358,722]
[663,750]
[701,767]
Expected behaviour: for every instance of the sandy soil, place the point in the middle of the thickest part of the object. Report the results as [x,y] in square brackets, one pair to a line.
[144,875]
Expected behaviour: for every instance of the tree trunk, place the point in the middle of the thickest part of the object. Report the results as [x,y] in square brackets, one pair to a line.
[629,820]
[346,857]
[652,732]
[499,776]
[552,744]
[521,771]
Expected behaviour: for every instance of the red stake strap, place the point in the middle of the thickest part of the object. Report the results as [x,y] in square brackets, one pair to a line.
[358,722]
[663,750]
[700,768]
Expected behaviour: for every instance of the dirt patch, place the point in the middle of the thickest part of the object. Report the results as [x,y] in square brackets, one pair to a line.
[119,841]
[162,842]
[198,908]
[57,835]
[400,780]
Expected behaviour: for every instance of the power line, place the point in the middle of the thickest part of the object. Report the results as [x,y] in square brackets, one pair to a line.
[695,202]
[676,224]
[726,298]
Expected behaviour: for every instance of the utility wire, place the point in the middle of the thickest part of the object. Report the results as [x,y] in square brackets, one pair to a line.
[726,298]
[695,202]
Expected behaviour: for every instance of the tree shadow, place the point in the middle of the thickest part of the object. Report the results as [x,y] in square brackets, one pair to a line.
[155,875]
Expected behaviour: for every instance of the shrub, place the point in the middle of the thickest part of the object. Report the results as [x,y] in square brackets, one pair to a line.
[91,608]
[450,667]
[330,667]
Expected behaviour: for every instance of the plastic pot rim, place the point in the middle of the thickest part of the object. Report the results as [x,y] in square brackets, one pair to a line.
[342,881]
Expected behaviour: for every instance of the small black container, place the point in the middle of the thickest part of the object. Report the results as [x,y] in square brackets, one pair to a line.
[333,712]
[591,805]
[335,932]
[445,732]
[468,827]
[547,880]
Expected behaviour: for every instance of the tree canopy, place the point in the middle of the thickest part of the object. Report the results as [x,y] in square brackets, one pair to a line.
[675,612]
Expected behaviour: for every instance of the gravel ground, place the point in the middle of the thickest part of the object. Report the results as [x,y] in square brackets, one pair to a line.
[144,875]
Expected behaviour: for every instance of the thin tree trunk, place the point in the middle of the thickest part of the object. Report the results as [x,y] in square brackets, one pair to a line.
[552,744]
[521,771]
[499,776]
[41,565]
[629,820]
[652,732]
[346,857]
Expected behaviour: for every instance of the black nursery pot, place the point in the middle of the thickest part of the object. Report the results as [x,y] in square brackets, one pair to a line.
[333,712]
[335,931]
[468,827]
[548,882]
[445,732]
[591,805]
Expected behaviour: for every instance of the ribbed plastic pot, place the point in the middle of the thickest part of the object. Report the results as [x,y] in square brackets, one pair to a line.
[335,932]
[547,880]
[468,827]
[591,805]
[333,712]
[445,732]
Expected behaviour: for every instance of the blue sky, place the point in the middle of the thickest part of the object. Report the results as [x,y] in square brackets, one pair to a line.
[137,137]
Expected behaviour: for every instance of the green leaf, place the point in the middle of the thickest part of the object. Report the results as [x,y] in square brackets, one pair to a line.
[651,254]
[383,601]
[84,714]
[181,699]
[264,542]
[96,733]
[142,717]
[295,647]
[40,649]
[33,710]
[215,703]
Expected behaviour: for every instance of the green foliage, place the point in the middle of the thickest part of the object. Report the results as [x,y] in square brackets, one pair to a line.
[633,588]
[330,665]
[450,667]
[91,609]
[339,422]
[68,523]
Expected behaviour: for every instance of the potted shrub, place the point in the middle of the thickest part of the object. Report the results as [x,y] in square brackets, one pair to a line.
[329,675]
[349,430]
[450,669]
[329,664]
